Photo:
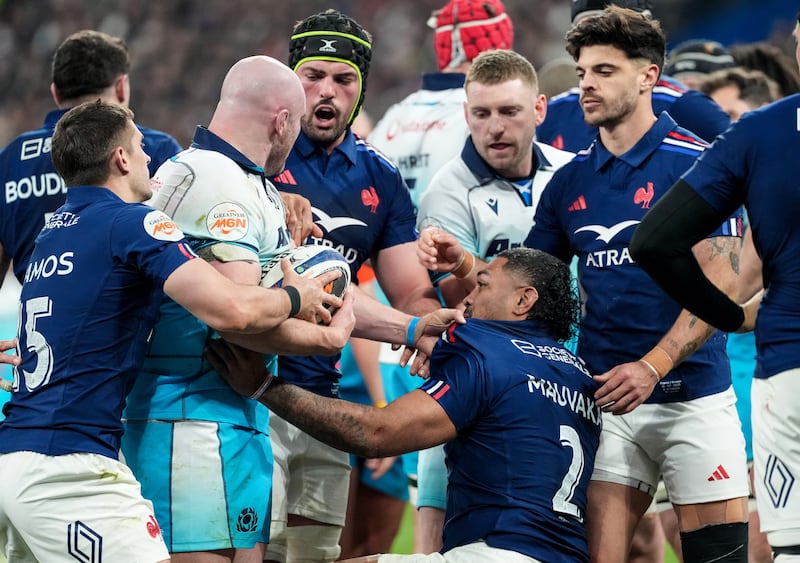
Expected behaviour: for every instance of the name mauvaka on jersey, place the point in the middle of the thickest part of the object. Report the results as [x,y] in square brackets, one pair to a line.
[89,302]
[362,205]
[564,127]
[590,209]
[528,431]
[32,189]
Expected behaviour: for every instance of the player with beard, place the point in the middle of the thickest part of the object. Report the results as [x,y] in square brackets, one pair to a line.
[565,128]
[363,207]
[643,347]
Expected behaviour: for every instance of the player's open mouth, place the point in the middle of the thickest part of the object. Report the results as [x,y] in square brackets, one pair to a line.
[324,114]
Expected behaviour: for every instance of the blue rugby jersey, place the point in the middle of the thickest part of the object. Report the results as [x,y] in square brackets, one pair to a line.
[590,209]
[88,304]
[32,189]
[362,205]
[751,164]
[528,431]
[564,127]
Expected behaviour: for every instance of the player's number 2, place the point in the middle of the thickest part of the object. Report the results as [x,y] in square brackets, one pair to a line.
[562,501]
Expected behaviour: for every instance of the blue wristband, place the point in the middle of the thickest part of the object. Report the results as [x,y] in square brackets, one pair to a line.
[412,326]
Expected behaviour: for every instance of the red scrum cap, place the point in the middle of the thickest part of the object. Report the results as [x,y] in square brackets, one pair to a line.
[465,28]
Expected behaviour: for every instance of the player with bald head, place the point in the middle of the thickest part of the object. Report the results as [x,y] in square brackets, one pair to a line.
[209,506]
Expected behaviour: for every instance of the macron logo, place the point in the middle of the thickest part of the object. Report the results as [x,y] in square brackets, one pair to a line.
[605,234]
[327,46]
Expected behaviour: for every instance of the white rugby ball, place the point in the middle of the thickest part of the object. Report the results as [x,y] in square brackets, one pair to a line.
[310,260]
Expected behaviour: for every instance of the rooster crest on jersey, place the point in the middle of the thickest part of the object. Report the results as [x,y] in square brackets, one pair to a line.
[311,260]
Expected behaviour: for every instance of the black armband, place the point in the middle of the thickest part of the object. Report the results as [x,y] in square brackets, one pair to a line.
[294,299]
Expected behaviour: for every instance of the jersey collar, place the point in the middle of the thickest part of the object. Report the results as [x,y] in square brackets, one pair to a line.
[485,173]
[436,81]
[52,118]
[206,140]
[646,146]
[306,147]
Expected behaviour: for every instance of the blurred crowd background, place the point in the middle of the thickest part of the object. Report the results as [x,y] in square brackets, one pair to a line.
[181,49]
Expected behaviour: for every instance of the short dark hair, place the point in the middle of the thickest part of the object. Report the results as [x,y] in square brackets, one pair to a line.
[88,62]
[770,60]
[558,305]
[84,139]
[496,66]
[755,87]
[637,35]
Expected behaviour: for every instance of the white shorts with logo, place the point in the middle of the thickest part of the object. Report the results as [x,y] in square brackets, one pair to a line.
[469,553]
[75,507]
[776,455]
[309,478]
[696,446]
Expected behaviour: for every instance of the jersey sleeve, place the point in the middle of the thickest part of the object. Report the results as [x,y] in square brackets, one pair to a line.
[718,174]
[150,240]
[221,221]
[457,383]
[547,234]
[399,227]
[447,207]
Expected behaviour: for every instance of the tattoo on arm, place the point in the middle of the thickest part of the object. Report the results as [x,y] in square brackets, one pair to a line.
[729,247]
[337,423]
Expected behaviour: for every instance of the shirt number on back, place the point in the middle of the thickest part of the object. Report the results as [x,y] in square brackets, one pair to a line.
[33,310]
[562,501]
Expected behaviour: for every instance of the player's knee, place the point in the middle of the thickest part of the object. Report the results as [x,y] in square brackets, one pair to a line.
[311,544]
[720,542]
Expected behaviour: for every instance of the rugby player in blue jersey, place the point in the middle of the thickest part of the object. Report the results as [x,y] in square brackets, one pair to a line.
[750,165]
[515,410]
[364,209]
[87,66]
[88,305]
[639,343]
[565,128]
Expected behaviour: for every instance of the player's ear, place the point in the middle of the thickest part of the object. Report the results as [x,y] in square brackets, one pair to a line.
[281,121]
[122,90]
[526,298]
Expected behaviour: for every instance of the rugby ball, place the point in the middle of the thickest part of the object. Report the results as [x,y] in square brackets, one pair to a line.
[310,260]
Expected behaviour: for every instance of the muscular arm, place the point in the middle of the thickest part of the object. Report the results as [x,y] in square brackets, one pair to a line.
[414,421]
[292,336]
[626,386]
[662,247]
[719,259]
[227,306]
[406,283]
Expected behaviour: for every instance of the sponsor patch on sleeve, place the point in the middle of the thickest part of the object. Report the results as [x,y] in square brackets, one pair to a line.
[227,221]
[160,226]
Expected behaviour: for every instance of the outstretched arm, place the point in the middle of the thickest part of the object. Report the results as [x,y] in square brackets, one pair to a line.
[413,421]
[626,386]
